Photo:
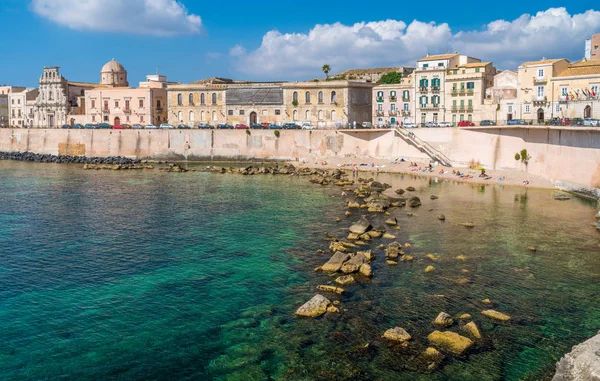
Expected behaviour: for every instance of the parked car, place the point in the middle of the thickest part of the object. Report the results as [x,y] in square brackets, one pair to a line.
[308,126]
[137,126]
[577,122]
[410,125]
[224,126]
[445,124]
[127,126]
[515,122]
[265,124]
[166,126]
[487,123]
[257,126]
[241,126]
[205,126]
[291,126]
[90,126]
[465,123]
[555,122]
[589,122]
[566,122]
[104,125]
[117,127]
[430,124]
[78,126]
[65,126]
[151,127]
[274,126]
[183,127]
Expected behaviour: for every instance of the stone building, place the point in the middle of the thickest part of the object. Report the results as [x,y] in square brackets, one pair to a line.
[5,91]
[501,103]
[592,47]
[326,104]
[112,101]
[373,74]
[20,108]
[575,91]
[394,104]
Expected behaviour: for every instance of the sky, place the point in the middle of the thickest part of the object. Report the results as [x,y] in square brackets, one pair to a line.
[189,40]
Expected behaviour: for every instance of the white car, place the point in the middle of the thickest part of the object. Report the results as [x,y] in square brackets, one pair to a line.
[166,126]
[308,126]
[589,122]
[410,125]
[431,124]
[444,124]
[151,127]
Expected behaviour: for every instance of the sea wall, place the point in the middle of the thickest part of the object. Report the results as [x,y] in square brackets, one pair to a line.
[569,156]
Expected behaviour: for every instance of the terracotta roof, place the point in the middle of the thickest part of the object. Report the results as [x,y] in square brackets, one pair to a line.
[581,68]
[439,57]
[476,64]
[541,62]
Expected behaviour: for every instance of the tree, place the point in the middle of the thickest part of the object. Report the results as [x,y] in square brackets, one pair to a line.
[326,69]
[392,77]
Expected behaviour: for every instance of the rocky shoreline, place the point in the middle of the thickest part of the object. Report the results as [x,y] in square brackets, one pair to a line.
[46,158]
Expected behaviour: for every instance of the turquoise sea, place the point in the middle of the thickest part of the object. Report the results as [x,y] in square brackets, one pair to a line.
[110,275]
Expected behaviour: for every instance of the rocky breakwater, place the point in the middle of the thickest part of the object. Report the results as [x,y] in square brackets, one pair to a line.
[582,363]
[41,158]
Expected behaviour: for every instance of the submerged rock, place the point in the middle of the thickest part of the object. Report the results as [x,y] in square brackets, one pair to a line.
[400,191]
[389,236]
[410,189]
[562,196]
[429,269]
[366,270]
[397,334]
[393,250]
[413,202]
[392,222]
[493,314]
[433,197]
[441,217]
[332,289]
[468,224]
[450,341]
[315,307]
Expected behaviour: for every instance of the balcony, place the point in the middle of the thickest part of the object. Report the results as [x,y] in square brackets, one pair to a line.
[469,108]
[469,92]
[435,89]
[379,113]
[405,99]
[393,113]
[460,109]
[539,80]
[127,111]
[433,107]
[423,89]
[105,111]
[540,101]
[379,99]
[405,113]
[454,92]
[393,98]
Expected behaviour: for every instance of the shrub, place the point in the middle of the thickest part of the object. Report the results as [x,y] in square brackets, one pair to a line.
[517,157]
[295,103]
[276,132]
[248,132]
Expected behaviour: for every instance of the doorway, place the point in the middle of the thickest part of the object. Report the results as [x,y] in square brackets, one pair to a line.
[51,121]
[540,115]
[587,111]
[253,118]
[117,121]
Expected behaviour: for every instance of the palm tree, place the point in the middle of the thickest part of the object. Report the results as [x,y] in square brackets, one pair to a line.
[326,69]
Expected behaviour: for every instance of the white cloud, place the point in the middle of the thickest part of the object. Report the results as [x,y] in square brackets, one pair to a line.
[237,51]
[550,33]
[152,17]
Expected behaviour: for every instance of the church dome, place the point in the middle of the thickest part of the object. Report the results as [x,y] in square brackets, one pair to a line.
[113,74]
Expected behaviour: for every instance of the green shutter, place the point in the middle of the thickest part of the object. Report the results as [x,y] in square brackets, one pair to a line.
[454,103]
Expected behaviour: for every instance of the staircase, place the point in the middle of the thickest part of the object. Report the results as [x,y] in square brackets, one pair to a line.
[423,146]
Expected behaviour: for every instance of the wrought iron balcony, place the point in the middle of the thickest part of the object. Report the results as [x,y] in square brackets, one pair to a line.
[539,80]
[423,89]
[393,98]
[406,99]
[393,113]
[379,113]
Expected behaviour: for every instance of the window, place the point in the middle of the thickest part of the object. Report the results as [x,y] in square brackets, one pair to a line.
[557,107]
[116,104]
[462,85]
[393,107]
[333,115]
[320,115]
[307,97]
[454,119]
[463,71]
[540,91]
[440,64]
[470,85]
[527,110]
[470,117]
[230,112]
[563,91]
[295,115]
[241,112]
[405,94]
[307,115]
[142,118]
[470,104]
[106,118]
[454,71]
[106,105]
[202,100]
[435,100]
[141,103]
[127,118]
[379,107]
[435,82]
[333,97]
[423,118]
[406,107]
[594,90]
[425,66]
[462,117]
[423,101]
[265,112]
[127,105]
[540,73]
[93,118]
[179,99]
[320,96]
[93,103]
[462,104]
[476,70]
[180,116]
[295,96]
[454,103]
[277,111]
[12,101]
[214,98]
[392,94]
[435,117]
[510,108]
[380,95]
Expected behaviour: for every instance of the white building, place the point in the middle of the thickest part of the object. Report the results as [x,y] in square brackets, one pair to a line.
[20,108]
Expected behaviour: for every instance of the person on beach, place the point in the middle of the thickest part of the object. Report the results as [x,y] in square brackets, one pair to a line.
[482,173]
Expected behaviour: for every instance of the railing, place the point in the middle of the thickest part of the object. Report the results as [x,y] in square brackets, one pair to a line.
[454,92]
[393,98]
[393,113]
[425,147]
[379,99]
[379,113]
[430,107]
[539,80]
[405,99]
[469,92]
[105,111]
[423,89]
[127,111]
[435,89]
[405,113]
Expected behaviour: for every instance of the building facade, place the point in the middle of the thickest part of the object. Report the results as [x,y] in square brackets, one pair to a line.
[576,91]
[465,91]
[5,91]
[20,108]
[394,104]
[592,47]
[326,104]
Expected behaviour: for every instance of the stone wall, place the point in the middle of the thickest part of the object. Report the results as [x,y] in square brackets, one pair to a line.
[570,156]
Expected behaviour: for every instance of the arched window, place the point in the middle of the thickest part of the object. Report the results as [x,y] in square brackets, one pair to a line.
[333,97]
[191,99]
[214,98]
[191,116]
[320,115]
[307,115]
[320,97]
[295,114]
[307,97]
[202,99]
[202,116]
[333,116]
[214,116]
[295,96]
[180,116]
[179,99]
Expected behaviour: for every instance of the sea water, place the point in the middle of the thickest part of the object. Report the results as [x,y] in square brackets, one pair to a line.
[147,275]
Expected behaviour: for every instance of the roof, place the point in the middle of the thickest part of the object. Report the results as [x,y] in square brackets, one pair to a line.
[377,70]
[541,62]
[254,96]
[85,84]
[581,68]
[439,57]
[475,64]
[112,66]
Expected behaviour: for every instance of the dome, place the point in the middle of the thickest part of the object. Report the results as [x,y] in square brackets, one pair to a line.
[112,66]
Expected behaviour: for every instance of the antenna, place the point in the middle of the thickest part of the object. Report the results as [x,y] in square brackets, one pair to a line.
[157,70]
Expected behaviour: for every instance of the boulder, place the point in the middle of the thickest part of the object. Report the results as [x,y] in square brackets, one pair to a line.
[345,280]
[465,317]
[441,217]
[391,263]
[429,269]
[368,254]
[531,248]
[468,224]
[366,270]
[433,197]
[335,262]
[397,334]
[352,237]
[392,222]
[365,237]
[333,310]
[361,226]
[376,186]
[378,201]
[432,257]
[493,314]
[353,205]
[353,264]
[400,191]
[336,246]
[581,364]
[413,202]
[432,357]
[389,236]
[315,307]
[348,214]
[407,258]
[410,189]
[486,301]
[332,289]
[374,234]
[443,320]
[472,329]
[450,341]
[392,251]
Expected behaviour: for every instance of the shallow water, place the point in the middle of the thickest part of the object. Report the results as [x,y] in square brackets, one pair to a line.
[150,275]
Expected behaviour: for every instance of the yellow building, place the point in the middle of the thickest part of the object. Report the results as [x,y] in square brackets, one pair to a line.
[576,90]
[466,88]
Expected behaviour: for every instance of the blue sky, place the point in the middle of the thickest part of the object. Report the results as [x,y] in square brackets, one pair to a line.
[276,40]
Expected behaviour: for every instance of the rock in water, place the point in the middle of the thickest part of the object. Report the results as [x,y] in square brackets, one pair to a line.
[366,270]
[562,196]
[354,264]
[333,289]
[361,226]
[441,217]
[450,341]
[400,191]
[493,314]
[472,329]
[410,189]
[581,364]
[376,186]
[413,202]
[429,269]
[335,262]
[392,222]
[468,224]
[443,320]
[397,334]
[345,280]
[393,250]
[315,307]
[433,197]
